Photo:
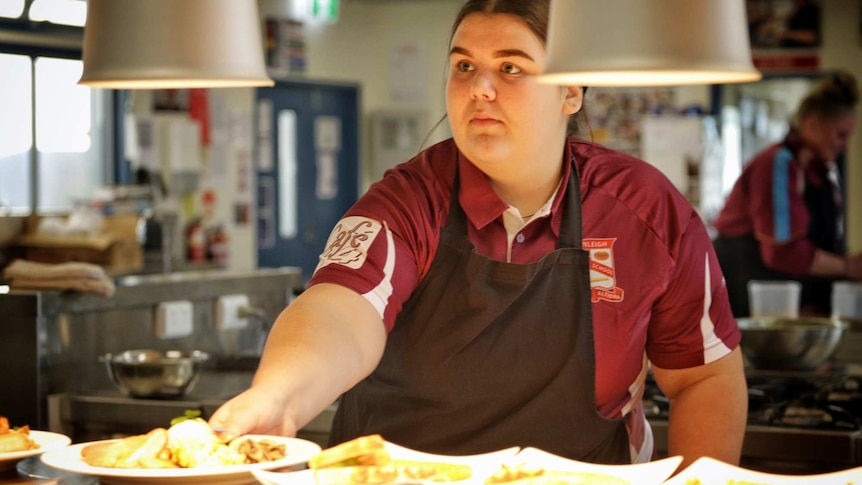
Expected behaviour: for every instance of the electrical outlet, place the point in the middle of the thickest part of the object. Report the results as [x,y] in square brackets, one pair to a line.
[227,312]
[174,319]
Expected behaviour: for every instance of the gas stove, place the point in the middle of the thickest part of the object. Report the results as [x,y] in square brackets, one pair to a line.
[816,402]
[798,422]
[812,401]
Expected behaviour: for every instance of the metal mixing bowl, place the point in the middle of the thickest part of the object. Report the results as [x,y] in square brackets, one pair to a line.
[149,373]
[789,344]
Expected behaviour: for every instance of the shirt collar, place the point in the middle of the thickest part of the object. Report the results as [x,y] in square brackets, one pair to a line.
[482,205]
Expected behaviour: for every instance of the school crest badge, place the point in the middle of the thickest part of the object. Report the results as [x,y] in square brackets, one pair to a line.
[603,281]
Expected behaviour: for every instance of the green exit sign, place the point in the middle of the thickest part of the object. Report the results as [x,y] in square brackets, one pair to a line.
[325,10]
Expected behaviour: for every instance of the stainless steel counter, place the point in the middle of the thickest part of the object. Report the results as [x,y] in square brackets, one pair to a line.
[52,340]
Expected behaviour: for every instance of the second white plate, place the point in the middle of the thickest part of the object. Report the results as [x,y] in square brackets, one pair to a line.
[709,471]
[651,473]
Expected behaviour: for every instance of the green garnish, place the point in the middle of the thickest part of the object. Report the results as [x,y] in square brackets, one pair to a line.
[190,414]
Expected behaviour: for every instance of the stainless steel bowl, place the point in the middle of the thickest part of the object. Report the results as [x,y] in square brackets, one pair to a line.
[149,373]
[789,344]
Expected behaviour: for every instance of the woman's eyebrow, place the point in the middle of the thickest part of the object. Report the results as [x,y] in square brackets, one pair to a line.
[499,53]
[459,50]
[512,53]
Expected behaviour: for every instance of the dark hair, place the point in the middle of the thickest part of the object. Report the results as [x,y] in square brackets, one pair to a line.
[534,13]
[832,97]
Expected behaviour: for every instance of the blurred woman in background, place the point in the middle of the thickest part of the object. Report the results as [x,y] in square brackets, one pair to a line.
[784,218]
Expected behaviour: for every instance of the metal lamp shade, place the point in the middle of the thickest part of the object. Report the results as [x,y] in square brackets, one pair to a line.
[161,44]
[648,43]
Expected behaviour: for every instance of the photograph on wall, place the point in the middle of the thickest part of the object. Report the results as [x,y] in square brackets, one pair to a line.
[784,24]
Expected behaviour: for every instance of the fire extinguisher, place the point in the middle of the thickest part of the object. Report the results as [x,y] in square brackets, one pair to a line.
[196,244]
[219,247]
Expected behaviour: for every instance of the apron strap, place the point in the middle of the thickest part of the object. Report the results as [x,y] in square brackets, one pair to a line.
[571,232]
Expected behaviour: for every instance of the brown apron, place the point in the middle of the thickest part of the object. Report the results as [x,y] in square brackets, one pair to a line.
[487,355]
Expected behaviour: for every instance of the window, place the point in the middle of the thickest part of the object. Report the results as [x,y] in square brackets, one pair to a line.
[63,12]
[54,133]
[16,138]
[11,8]
[68,121]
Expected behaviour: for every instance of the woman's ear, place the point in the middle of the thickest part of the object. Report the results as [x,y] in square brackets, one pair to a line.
[574,99]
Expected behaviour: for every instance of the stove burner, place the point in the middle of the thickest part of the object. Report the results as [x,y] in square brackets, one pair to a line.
[811,401]
[806,417]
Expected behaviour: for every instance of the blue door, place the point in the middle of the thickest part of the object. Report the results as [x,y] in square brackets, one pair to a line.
[307,170]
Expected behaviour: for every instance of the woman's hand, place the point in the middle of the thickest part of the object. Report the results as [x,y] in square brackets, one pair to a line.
[315,351]
[255,411]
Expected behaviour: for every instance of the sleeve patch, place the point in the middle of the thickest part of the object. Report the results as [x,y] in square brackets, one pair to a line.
[349,242]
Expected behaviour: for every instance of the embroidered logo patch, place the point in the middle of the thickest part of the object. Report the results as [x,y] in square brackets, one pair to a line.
[349,242]
[603,281]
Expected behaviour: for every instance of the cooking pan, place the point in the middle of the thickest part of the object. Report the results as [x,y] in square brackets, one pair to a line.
[790,343]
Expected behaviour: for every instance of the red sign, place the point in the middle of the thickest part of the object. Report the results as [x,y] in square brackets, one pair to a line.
[786,62]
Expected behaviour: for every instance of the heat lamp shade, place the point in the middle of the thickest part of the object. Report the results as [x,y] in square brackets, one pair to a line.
[161,44]
[648,43]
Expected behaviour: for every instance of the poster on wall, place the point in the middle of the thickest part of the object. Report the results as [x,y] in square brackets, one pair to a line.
[170,100]
[785,35]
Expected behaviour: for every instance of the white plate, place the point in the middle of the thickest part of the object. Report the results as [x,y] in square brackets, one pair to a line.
[483,465]
[650,473]
[46,440]
[710,471]
[69,459]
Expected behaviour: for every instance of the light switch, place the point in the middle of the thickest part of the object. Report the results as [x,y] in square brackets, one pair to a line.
[174,319]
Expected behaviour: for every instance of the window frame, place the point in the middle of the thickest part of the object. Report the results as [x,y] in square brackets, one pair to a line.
[45,39]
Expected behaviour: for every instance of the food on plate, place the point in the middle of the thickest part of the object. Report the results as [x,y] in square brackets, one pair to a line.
[192,443]
[139,451]
[523,474]
[395,472]
[15,439]
[695,481]
[258,451]
[366,460]
[189,443]
[363,451]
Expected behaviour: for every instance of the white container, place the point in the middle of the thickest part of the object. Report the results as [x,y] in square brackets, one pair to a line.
[774,298]
[847,300]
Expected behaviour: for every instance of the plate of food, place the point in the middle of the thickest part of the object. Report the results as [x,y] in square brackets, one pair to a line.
[20,443]
[372,460]
[187,452]
[709,471]
[535,467]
